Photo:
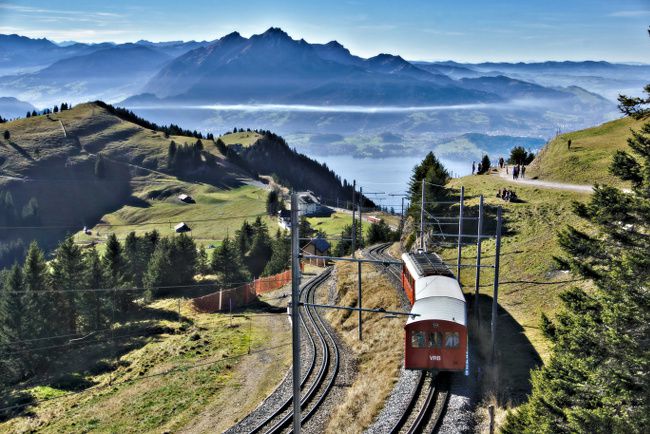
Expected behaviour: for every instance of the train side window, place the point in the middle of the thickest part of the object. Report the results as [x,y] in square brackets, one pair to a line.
[417,339]
[452,339]
[435,340]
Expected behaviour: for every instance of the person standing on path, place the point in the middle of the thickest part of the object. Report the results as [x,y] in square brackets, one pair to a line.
[473,167]
[523,172]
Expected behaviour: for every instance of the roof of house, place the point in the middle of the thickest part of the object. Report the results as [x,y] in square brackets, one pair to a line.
[321,244]
[307,197]
[182,227]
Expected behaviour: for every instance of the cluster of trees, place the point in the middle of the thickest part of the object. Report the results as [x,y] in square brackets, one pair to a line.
[259,253]
[47,111]
[185,157]
[2,120]
[13,213]
[129,116]
[377,233]
[596,379]
[519,155]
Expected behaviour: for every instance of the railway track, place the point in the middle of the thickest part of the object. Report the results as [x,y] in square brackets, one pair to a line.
[320,368]
[426,406]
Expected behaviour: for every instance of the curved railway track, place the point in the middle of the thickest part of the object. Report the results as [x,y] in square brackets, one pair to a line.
[426,406]
[320,371]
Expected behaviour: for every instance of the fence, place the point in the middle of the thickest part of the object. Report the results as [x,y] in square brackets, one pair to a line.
[226,299]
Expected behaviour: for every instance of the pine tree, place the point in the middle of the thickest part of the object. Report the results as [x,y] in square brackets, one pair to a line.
[597,378]
[159,271]
[171,154]
[183,259]
[261,249]
[244,238]
[202,261]
[435,175]
[114,265]
[227,263]
[68,277]
[379,233]
[11,326]
[94,305]
[38,303]
[280,258]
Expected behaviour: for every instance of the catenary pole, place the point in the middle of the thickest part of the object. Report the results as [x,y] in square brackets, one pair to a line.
[359,300]
[354,228]
[495,296]
[422,217]
[295,314]
[477,279]
[460,231]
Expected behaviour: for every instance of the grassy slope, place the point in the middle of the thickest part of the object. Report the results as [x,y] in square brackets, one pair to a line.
[530,281]
[588,159]
[143,399]
[246,138]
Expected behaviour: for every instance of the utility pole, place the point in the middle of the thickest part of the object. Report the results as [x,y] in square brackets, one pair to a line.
[354,228]
[460,232]
[295,314]
[359,299]
[495,296]
[477,278]
[360,239]
[401,216]
[422,218]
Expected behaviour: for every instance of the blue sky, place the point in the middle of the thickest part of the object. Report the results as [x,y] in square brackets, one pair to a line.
[462,30]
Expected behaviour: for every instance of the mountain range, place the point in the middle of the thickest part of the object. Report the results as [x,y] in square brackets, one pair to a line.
[315,89]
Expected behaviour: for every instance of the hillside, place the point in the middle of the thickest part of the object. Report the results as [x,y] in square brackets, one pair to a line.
[590,155]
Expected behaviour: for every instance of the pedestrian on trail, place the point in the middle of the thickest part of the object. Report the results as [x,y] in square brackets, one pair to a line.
[478,169]
[506,169]
[523,172]
[473,167]
[568,145]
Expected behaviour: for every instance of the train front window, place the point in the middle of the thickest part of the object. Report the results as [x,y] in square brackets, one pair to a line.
[417,339]
[435,340]
[452,339]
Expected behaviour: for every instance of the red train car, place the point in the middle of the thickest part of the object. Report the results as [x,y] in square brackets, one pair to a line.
[435,339]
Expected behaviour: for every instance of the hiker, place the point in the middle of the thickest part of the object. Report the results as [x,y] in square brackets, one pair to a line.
[568,145]
[473,167]
[478,169]
[506,169]
[523,172]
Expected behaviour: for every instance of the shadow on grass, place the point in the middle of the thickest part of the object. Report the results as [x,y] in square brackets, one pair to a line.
[508,379]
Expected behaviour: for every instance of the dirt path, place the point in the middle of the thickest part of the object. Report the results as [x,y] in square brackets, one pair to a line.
[546,184]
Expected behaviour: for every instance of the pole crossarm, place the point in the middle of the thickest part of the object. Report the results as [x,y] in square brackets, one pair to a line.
[361,309]
[336,258]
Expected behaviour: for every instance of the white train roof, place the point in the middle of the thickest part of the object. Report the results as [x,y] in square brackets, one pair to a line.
[425,264]
[439,308]
[438,286]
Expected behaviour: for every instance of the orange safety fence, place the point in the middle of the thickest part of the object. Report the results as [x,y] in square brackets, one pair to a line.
[227,299]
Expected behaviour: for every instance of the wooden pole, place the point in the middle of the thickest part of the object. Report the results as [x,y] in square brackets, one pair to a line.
[495,296]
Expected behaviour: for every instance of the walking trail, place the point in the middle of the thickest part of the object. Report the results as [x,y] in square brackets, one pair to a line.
[546,184]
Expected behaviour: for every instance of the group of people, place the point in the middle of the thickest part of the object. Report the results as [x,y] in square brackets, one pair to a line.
[507,195]
[517,171]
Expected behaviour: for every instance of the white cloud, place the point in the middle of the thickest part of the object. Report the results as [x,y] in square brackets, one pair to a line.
[630,14]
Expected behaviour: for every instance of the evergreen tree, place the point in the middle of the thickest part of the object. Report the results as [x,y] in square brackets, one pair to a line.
[519,155]
[11,325]
[485,165]
[261,248]
[273,203]
[183,259]
[159,271]
[56,109]
[227,263]
[280,257]
[171,154]
[38,303]
[115,267]
[29,115]
[244,238]
[597,378]
[202,266]
[379,233]
[67,275]
[435,175]
[94,305]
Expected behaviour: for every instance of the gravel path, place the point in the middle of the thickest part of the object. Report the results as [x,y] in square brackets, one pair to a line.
[547,184]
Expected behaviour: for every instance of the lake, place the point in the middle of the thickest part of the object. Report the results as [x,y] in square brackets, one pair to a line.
[389,175]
